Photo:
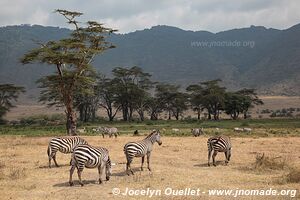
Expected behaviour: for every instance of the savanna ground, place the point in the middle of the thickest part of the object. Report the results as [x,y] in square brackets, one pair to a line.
[180,162]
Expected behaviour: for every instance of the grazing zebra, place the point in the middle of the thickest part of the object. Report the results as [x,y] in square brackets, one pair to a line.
[219,144]
[238,129]
[141,149]
[197,131]
[108,131]
[90,157]
[64,145]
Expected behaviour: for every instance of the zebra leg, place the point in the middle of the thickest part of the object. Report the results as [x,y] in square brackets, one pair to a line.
[226,156]
[116,135]
[54,159]
[128,167]
[213,157]
[79,171]
[148,161]
[143,159]
[103,135]
[49,156]
[209,156]
[71,175]
[100,171]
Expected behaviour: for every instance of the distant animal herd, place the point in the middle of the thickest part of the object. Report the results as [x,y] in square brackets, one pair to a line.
[84,155]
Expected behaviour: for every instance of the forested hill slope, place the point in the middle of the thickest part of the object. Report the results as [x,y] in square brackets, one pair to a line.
[266,59]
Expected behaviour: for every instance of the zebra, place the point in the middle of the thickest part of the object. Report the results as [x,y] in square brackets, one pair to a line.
[109,131]
[64,145]
[141,149]
[197,131]
[217,144]
[90,157]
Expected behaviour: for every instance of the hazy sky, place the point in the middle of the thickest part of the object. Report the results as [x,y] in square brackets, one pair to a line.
[131,15]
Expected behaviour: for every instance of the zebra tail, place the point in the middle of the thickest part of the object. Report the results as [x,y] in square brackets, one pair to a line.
[210,147]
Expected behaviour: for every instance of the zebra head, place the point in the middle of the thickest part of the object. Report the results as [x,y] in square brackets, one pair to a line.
[154,136]
[157,137]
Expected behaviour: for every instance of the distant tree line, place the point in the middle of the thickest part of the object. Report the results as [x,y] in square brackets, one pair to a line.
[131,90]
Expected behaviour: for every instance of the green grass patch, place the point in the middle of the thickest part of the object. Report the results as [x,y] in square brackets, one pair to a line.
[270,127]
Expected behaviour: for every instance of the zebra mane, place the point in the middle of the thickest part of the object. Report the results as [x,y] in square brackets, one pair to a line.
[151,134]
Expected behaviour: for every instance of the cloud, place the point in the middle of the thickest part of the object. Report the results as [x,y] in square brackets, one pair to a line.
[131,15]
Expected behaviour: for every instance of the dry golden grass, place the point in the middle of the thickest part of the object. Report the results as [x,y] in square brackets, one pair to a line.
[179,163]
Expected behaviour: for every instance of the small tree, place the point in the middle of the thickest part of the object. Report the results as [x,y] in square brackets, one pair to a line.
[72,58]
[8,94]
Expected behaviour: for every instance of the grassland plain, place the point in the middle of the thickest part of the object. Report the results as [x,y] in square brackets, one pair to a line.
[181,162]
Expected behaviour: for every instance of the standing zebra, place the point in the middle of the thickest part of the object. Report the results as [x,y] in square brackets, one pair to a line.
[219,144]
[140,149]
[64,145]
[90,157]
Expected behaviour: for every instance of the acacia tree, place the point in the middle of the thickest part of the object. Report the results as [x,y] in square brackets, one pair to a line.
[106,90]
[166,93]
[132,86]
[179,104]
[250,99]
[213,98]
[234,104]
[8,94]
[154,107]
[196,98]
[72,59]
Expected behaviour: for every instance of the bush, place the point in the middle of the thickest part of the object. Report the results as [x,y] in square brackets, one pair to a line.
[293,176]
[263,162]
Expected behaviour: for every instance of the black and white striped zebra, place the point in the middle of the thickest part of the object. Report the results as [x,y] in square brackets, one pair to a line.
[141,149]
[90,157]
[219,144]
[64,145]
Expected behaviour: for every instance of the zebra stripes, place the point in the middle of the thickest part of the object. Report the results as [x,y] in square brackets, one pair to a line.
[141,149]
[219,144]
[90,157]
[64,145]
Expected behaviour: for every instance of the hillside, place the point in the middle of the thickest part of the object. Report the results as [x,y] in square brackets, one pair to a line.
[271,64]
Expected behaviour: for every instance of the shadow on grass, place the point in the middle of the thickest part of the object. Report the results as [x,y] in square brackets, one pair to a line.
[123,173]
[53,166]
[76,183]
[221,163]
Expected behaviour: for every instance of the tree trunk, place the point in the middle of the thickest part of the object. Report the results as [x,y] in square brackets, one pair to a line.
[199,114]
[141,114]
[71,122]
